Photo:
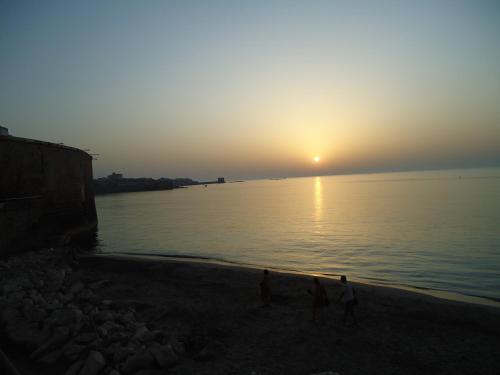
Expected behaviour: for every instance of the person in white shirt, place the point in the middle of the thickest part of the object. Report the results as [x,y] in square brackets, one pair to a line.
[348,297]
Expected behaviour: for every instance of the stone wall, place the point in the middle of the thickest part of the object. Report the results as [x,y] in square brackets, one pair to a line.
[46,194]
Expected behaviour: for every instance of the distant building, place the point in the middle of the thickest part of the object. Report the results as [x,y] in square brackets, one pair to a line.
[4,131]
[221,180]
[115,176]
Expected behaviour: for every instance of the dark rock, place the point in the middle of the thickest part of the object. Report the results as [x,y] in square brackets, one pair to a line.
[67,298]
[23,332]
[98,284]
[125,318]
[9,287]
[211,351]
[85,337]
[69,317]
[141,360]
[88,295]
[34,314]
[10,314]
[103,316]
[51,357]
[74,368]
[16,298]
[94,364]
[143,334]
[76,288]
[178,346]
[121,353]
[56,275]
[164,356]
[118,336]
[60,336]
[149,372]
[72,351]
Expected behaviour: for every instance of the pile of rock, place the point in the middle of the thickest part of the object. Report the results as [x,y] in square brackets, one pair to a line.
[60,319]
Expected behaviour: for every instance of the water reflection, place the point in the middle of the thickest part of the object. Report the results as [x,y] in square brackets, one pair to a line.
[318,204]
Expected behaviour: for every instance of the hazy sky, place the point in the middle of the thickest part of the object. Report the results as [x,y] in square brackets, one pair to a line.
[248,89]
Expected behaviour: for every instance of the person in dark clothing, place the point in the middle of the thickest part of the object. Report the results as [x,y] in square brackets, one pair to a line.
[265,290]
[320,299]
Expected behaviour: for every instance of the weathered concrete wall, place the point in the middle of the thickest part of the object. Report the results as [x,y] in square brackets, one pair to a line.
[46,194]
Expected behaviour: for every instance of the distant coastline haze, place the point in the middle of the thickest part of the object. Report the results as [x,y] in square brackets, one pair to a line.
[256,89]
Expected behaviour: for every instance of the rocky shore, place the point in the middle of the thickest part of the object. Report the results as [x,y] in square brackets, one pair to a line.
[54,313]
[101,315]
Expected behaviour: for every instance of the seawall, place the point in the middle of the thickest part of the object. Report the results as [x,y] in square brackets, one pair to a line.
[46,194]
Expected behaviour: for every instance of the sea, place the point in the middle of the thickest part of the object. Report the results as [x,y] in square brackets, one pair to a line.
[432,230]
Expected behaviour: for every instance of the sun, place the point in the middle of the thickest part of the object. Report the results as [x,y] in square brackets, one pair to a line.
[316,159]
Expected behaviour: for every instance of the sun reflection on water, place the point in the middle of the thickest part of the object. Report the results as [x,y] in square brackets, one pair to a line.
[318,204]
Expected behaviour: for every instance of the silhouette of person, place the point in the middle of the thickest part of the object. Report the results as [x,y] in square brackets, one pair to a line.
[348,297]
[320,299]
[265,290]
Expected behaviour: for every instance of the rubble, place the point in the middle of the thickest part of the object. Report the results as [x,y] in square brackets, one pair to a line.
[58,318]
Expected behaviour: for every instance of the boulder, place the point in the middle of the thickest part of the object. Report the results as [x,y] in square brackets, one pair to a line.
[72,351]
[141,360]
[143,334]
[88,295]
[178,346]
[57,275]
[10,286]
[125,318]
[74,368]
[69,317]
[98,284]
[86,337]
[59,336]
[16,298]
[118,337]
[34,313]
[23,332]
[51,357]
[164,356]
[94,364]
[10,314]
[149,372]
[121,353]
[103,316]
[76,287]
[213,350]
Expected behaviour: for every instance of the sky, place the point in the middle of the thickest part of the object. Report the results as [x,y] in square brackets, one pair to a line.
[255,89]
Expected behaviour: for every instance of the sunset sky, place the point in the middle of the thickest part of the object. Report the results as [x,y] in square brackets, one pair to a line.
[248,89]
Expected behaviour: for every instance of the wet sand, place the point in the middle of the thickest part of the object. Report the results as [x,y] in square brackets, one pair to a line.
[400,332]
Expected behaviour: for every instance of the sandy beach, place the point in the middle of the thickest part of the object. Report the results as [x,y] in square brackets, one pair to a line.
[215,312]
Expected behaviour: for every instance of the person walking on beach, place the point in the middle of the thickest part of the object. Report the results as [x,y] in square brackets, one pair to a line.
[320,299]
[265,290]
[348,297]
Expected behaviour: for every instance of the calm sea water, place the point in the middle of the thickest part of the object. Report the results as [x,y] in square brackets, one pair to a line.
[437,230]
